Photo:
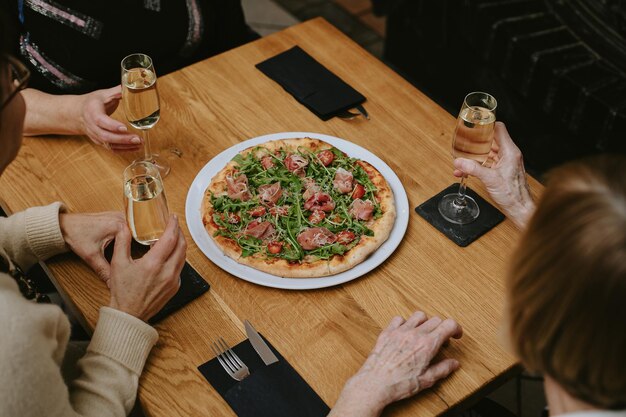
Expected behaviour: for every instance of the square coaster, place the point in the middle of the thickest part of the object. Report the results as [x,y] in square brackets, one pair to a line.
[461,234]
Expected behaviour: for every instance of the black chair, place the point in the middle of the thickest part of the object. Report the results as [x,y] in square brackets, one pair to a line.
[557,68]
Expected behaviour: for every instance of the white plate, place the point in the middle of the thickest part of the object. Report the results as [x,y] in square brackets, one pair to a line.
[210,249]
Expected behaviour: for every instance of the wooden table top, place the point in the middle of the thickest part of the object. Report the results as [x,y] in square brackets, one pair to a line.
[325,334]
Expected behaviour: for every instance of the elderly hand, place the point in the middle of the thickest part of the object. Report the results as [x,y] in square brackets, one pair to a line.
[87,235]
[399,366]
[102,129]
[141,287]
[505,179]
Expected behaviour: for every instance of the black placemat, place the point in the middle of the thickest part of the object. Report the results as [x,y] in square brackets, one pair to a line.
[192,286]
[275,390]
[311,83]
[464,234]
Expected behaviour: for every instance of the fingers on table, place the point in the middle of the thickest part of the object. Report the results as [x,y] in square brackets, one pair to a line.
[416,319]
[395,322]
[438,371]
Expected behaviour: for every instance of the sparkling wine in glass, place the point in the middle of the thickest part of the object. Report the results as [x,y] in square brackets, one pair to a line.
[141,101]
[472,139]
[146,206]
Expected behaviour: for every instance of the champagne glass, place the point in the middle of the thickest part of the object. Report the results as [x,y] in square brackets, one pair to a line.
[146,205]
[141,101]
[472,139]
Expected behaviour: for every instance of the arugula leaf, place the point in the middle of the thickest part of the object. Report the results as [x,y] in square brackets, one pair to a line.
[289,226]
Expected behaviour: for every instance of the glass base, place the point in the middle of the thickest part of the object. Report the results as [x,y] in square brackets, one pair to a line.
[160,163]
[458,211]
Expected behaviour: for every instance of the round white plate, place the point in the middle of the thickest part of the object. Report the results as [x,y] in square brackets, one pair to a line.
[210,249]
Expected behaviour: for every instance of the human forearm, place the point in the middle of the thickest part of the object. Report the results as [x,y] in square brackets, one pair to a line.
[32,235]
[521,212]
[107,385]
[51,114]
[86,114]
[354,401]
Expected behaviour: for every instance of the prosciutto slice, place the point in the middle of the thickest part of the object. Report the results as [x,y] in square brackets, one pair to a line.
[279,210]
[238,187]
[259,229]
[361,210]
[315,237]
[267,162]
[310,188]
[343,181]
[296,164]
[319,201]
[270,193]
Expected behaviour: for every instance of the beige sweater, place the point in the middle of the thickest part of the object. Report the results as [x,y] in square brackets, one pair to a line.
[34,338]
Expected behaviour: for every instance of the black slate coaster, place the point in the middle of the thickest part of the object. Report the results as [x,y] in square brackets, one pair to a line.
[192,286]
[465,234]
[275,390]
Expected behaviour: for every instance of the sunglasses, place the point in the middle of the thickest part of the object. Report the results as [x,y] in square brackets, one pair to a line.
[19,76]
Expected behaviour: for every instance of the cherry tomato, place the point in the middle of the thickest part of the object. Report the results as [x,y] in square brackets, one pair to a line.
[358,192]
[345,236]
[317,216]
[326,157]
[257,211]
[274,247]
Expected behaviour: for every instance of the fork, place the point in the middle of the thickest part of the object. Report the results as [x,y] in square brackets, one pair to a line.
[229,360]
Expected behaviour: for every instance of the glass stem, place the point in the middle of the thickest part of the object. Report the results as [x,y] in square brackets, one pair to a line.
[147,152]
[460,200]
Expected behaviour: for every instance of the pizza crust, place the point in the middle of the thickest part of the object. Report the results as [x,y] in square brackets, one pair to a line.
[280,267]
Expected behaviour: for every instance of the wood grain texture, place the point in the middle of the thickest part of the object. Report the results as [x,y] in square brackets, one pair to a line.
[325,334]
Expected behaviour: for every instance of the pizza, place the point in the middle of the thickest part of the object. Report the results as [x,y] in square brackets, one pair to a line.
[298,208]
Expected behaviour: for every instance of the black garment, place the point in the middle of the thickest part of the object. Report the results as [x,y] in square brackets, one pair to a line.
[76,46]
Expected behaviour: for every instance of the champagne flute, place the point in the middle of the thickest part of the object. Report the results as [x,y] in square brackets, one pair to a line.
[472,139]
[141,101]
[146,206]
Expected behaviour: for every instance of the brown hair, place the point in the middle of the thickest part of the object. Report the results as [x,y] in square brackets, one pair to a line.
[567,284]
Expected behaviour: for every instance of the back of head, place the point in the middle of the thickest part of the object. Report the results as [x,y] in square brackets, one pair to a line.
[567,283]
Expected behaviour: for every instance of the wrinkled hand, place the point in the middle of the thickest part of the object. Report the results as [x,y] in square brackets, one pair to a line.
[102,129]
[141,287]
[87,235]
[505,179]
[399,366]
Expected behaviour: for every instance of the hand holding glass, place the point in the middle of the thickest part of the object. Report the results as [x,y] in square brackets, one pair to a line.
[141,101]
[472,139]
[146,205]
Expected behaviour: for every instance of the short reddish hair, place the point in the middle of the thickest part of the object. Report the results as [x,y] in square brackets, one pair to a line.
[567,284]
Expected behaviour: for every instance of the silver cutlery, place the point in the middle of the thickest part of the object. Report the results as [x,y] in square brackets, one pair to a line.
[229,360]
[259,344]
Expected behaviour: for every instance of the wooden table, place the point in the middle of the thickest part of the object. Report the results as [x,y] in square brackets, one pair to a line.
[325,334]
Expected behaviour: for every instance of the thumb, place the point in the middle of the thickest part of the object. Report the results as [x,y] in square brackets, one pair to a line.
[121,250]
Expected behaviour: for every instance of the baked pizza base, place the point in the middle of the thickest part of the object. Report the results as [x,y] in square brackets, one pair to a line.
[314,268]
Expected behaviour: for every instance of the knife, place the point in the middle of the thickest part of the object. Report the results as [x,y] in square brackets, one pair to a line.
[259,344]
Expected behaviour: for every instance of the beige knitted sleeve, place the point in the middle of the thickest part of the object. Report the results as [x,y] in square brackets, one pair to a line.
[32,235]
[31,383]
